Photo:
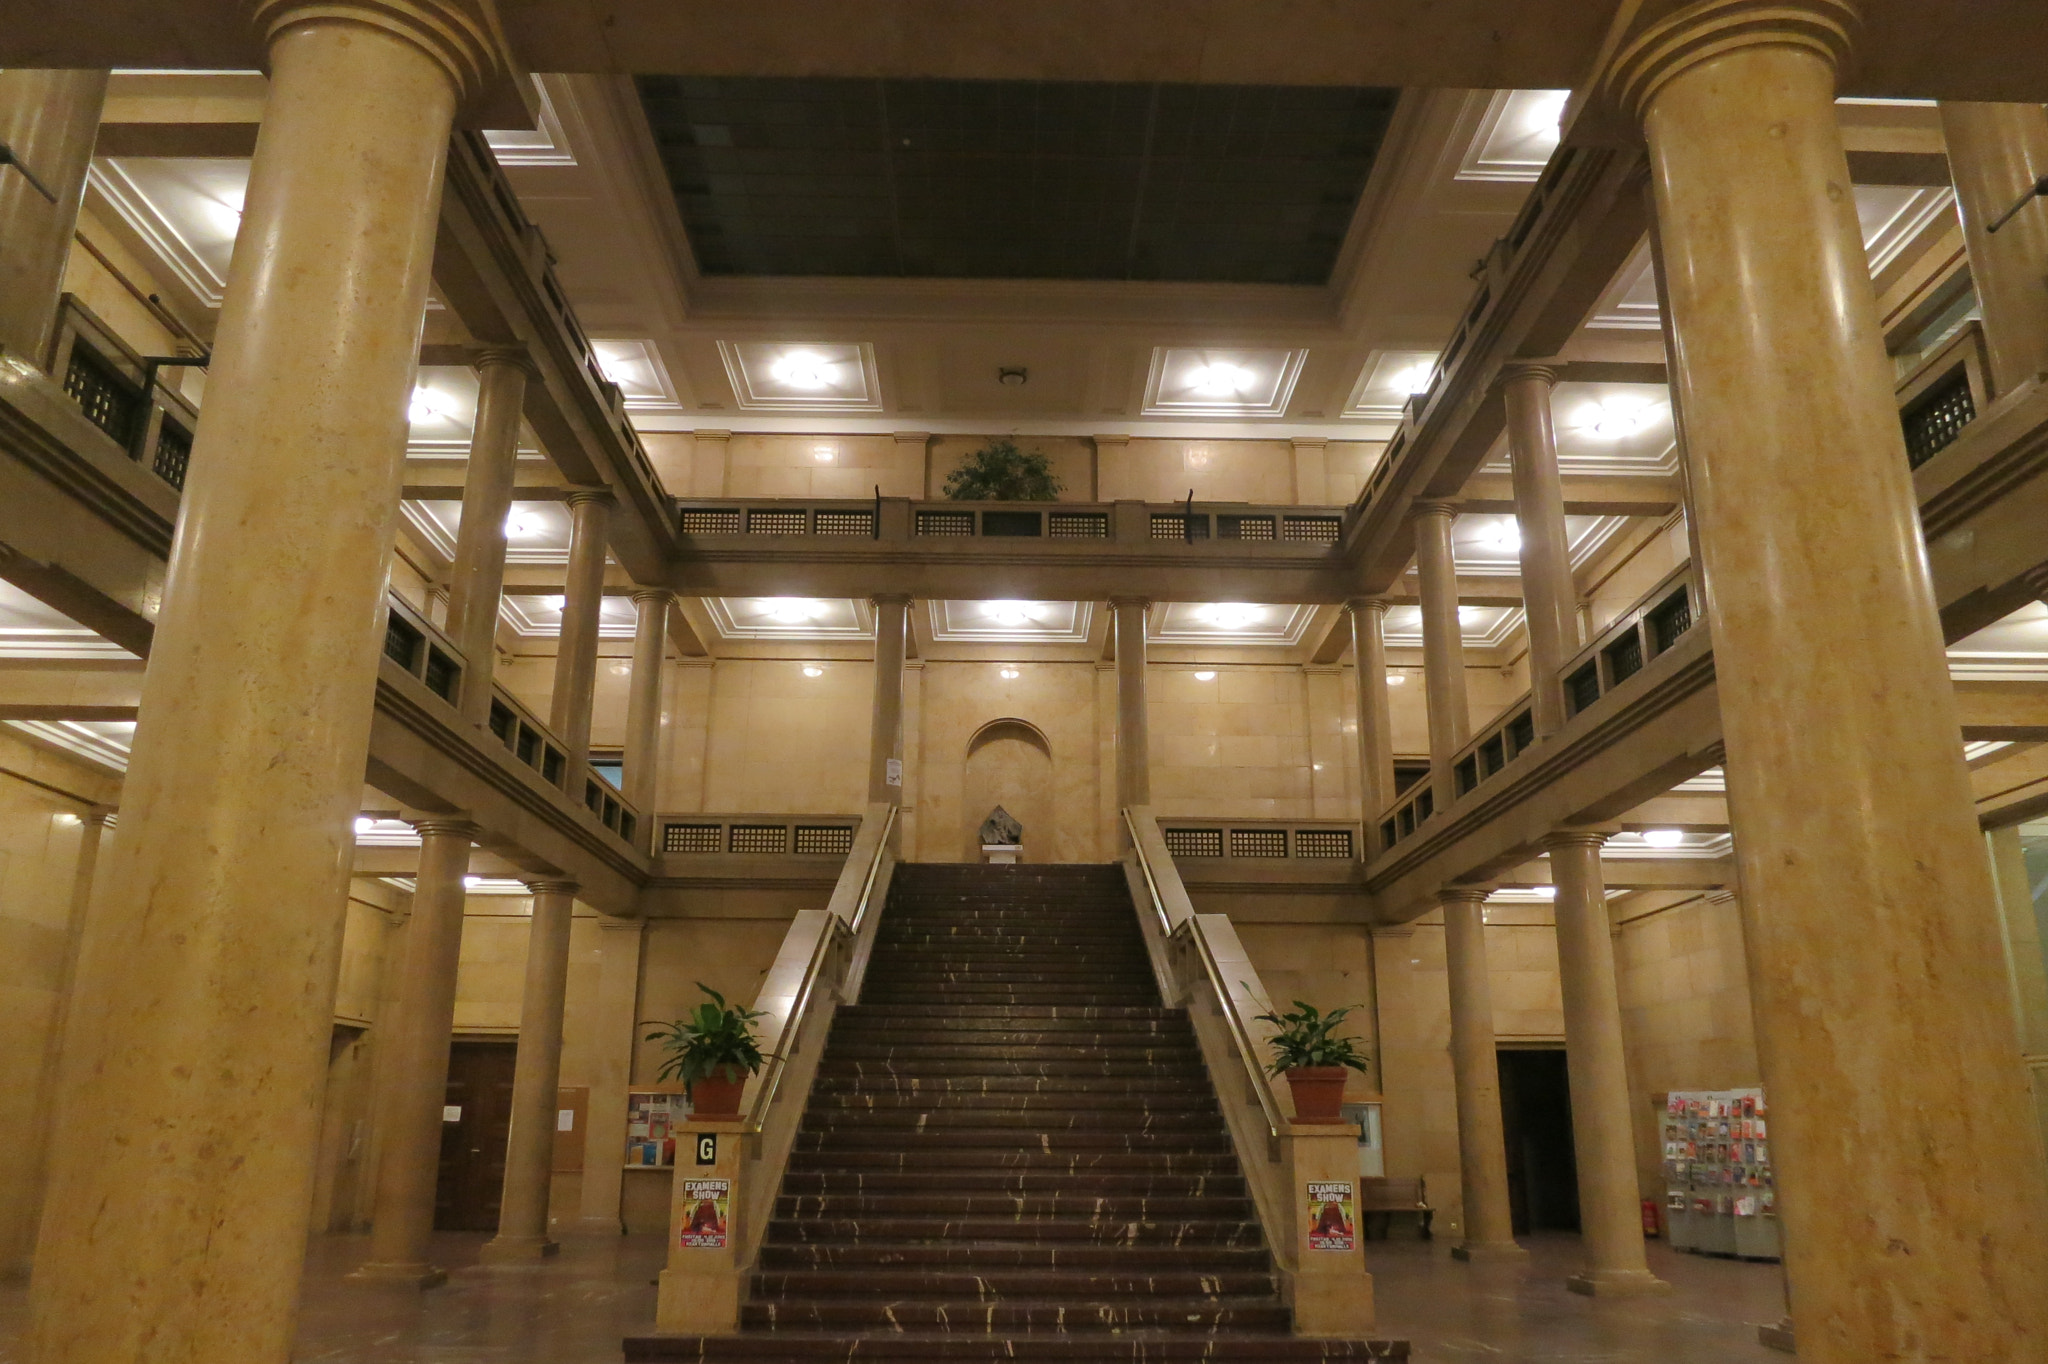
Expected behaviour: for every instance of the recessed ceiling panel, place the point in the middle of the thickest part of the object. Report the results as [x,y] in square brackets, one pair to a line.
[1516,138]
[792,618]
[1011,622]
[1387,381]
[1482,627]
[540,617]
[29,629]
[1227,622]
[1204,381]
[1015,179]
[834,377]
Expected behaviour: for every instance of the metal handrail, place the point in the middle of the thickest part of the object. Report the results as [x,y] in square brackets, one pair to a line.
[838,932]
[867,890]
[1247,1050]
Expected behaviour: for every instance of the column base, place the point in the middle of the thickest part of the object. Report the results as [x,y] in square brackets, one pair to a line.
[512,1250]
[1617,1283]
[1481,1251]
[415,1274]
[1777,1337]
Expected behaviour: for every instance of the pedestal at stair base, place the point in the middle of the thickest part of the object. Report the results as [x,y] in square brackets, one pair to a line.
[1330,1292]
[699,1292]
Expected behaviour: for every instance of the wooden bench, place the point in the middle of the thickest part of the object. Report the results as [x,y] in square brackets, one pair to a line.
[1380,1197]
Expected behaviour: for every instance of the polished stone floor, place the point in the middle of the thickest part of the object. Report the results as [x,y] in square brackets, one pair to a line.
[574,1309]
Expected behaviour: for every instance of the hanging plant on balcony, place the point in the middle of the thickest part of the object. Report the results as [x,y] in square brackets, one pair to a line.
[1313,1059]
[1000,472]
[712,1050]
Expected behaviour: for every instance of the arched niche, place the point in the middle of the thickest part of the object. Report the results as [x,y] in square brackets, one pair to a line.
[1009,763]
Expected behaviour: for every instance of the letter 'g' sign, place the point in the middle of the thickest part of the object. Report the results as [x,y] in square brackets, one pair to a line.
[707,1148]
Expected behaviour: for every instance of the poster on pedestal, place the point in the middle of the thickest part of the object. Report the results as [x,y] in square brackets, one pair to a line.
[704,1224]
[1331,1222]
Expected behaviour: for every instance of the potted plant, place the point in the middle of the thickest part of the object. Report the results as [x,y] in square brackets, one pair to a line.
[1000,472]
[1313,1060]
[712,1050]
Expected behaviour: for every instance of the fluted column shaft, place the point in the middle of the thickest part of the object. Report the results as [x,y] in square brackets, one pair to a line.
[643,702]
[536,1081]
[49,120]
[206,979]
[1547,596]
[582,614]
[1910,1229]
[885,731]
[1443,644]
[1475,1070]
[412,1072]
[1375,712]
[478,577]
[1996,153]
[1603,1138]
[1133,726]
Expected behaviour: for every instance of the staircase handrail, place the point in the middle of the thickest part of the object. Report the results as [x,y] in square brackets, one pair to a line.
[1190,930]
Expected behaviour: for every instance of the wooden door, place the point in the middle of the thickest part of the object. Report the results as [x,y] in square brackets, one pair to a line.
[475,1125]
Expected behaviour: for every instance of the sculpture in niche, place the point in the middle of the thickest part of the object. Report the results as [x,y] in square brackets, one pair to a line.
[1001,829]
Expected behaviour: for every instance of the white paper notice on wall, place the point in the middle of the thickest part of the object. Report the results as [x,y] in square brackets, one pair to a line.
[451,1113]
[565,1120]
[893,773]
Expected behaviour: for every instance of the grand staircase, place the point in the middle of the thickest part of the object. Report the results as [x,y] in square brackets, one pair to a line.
[1012,1152]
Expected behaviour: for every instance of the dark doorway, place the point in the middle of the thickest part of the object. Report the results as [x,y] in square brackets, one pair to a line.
[1536,1111]
[476,1123]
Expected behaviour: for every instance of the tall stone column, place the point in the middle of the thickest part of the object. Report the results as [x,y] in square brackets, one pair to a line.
[1375,713]
[1443,644]
[1911,1229]
[478,577]
[1475,1066]
[536,1082]
[1603,1138]
[206,978]
[412,1072]
[643,703]
[590,515]
[1133,724]
[615,1020]
[1996,153]
[1548,597]
[49,120]
[885,741]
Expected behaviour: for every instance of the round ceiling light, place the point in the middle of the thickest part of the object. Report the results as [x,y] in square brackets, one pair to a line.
[1616,418]
[523,525]
[789,610]
[1397,679]
[1664,838]
[1232,615]
[813,670]
[1013,376]
[427,405]
[1011,674]
[1414,379]
[1012,613]
[1205,676]
[802,369]
[1220,380]
[1505,536]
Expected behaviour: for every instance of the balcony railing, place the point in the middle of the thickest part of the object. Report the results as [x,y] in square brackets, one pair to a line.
[414,644]
[1133,524]
[1260,840]
[1943,394]
[120,392]
[757,835]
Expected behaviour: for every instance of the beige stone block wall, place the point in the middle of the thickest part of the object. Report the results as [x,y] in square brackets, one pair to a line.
[781,742]
[1073,463]
[1627,582]
[1346,466]
[823,465]
[40,836]
[1234,745]
[98,290]
[731,954]
[1153,470]
[957,701]
[1685,1011]
[490,982]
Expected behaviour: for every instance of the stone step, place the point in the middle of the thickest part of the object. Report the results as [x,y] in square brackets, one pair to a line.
[1136,1087]
[1025,1182]
[1188,1071]
[866,1025]
[1027,1315]
[861,1049]
[1070,1162]
[926,1013]
[1103,1101]
[894,1347]
[1009,1285]
[963,1232]
[1018,1138]
[991,1257]
[1023,1208]
[934,1120]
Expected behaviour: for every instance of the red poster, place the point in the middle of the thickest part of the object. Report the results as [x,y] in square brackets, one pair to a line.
[706,1203]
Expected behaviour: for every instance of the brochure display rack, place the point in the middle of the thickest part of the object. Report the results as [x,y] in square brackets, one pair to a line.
[653,1117]
[1720,1191]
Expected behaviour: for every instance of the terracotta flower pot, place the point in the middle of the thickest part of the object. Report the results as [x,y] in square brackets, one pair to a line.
[714,1096]
[1318,1092]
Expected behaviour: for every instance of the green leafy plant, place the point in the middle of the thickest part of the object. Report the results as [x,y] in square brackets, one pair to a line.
[712,1039]
[1000,472]
[1304,1039]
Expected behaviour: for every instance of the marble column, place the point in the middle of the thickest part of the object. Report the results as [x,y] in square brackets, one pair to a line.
[643,703]
[1475,1066]
[478,577]
[1548,596]
[1133,725]
[206,979]
[49,120]
[1443,644]
[1375,714]
[536,1080]
[885,733]
[582,614]
[1996,153]
[1603,1137]
[615,1022]
[412,1074]
[1911,1202]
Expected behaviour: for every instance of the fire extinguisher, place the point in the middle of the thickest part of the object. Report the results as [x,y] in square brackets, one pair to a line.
[1652,1225]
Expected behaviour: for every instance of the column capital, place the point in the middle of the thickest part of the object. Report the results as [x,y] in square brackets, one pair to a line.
[504,357]
[460,35]
[1118,603]
[445,826]
[1527,371]
[1712,28]
[1371,606]
[1463,894]
[577,497]
[1435,508]
[663,595]
[615,923]
[1578,838]
[554,887]
[881,599]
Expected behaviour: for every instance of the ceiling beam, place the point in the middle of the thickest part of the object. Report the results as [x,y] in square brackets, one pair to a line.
[1584,494]
[2014,711]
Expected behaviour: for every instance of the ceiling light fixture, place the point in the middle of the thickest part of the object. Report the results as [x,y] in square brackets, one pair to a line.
[426,406]
[1545,892]
[523,525]
[1011,613]
[1414,379]
[1664,838]
[1232,615]
[557,603]
[472,882]
[364,824]
[1397,679]
[1545,113]
[1506,536]
[1220,380]
[813,670]
[1616,418]
[1013,376]
[789,610]
[802,369]
[1011,674]
[1205,676]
